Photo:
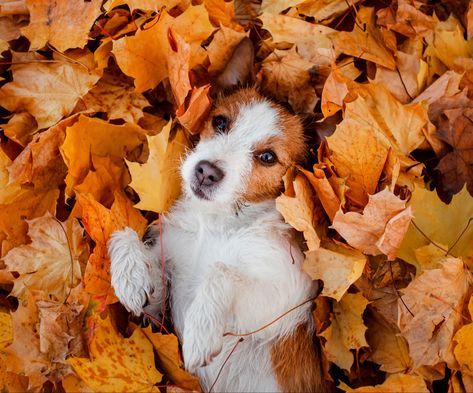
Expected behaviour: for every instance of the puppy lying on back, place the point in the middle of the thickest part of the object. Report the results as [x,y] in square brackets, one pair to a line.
[230,258]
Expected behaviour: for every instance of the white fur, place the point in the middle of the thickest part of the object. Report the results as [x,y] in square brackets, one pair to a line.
[228,272]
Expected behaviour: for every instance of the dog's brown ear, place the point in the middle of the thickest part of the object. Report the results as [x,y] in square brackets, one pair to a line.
[239,70]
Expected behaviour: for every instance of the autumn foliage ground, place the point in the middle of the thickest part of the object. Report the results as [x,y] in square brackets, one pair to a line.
[100,100]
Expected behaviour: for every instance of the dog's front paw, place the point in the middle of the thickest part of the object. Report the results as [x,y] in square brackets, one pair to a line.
[200,344]
[129,270]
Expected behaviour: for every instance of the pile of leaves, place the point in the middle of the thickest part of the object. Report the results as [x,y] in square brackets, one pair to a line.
[100,100]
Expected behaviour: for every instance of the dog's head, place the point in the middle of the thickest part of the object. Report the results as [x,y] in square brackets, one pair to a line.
[246,145]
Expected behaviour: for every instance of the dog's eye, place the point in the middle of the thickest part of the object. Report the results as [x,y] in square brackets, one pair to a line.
[267,157]
[220,124]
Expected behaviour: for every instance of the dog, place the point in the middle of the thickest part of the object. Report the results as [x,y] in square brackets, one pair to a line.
[231,260]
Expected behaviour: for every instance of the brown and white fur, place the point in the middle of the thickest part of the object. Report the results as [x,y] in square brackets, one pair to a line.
[230,258]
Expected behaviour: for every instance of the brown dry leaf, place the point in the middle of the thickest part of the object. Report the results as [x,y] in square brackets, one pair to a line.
[337,266]
[100,223]
[24,355]
[463,350]
[347,330]
[325,192]
[197,110]
[157,182]
[456,168]
[222,46]
[167,351]
[298,208]
[51,262]
[313,42]
[324,10]
[115,96]
[114,365]
[431,312]
[366,44]
[286,77]
[21,128]
[388,347]
[27,205]
[40,163]
[336,88]
[445,86]
[399,383]
[50,22]
[60,326]
[48,91]
[380,228]
[407,20]
[92,136]
[439,223]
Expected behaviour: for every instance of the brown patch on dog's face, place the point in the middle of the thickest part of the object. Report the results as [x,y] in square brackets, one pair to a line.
[289,148]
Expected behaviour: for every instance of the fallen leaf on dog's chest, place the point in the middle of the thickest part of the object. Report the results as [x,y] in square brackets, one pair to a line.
[400,383]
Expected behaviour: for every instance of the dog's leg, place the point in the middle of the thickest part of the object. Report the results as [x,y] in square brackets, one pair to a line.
[136,277]
[206,317]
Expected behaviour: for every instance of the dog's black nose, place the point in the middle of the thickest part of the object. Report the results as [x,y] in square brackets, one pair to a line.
[207,173]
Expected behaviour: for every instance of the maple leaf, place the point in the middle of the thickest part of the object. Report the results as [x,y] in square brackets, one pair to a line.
[8,190]
[157,182]
[222,12]
[285,76]
[21,128]
[381,227]
[324,10]
[6,330]
[50,22]
[456,129]
[346,331]
[337,266]
[51,261]
[91,136]
[222,46]
[144,5]
[313,42]
[431,312]
[193,117]
[114,365]
[47,91]
[115,96]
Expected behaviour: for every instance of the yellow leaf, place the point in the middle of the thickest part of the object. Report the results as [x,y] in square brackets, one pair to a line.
[50,21]
[338,267]
[440,224]
[276,6]
[117,364]
[6,330]
[347,330]
[48,91]
[222,46]
[324,10]
[167,350]
[157,182]
[464,350]
[51,262]
[8,191]
[399,383]
[91,136]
